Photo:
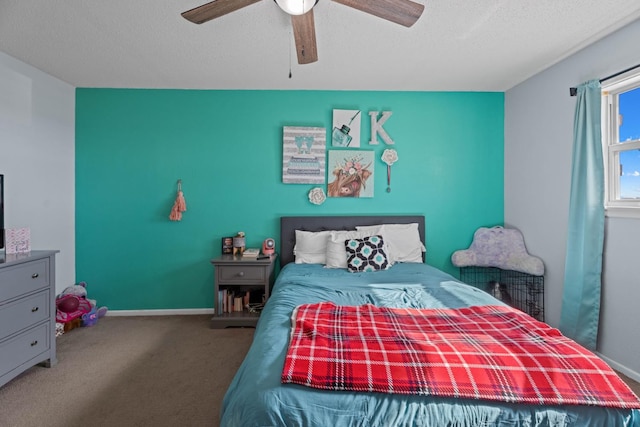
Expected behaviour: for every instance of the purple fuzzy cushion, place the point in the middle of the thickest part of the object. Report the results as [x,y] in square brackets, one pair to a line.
[498,247]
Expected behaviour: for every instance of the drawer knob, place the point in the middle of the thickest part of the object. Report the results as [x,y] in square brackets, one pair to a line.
[35,275]
[34,309]
[241,274]
[34,343]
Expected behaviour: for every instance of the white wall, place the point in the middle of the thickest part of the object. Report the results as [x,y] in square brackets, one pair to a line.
[538,144]
[37,139]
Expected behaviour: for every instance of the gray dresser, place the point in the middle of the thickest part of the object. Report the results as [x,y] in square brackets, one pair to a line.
[27,312]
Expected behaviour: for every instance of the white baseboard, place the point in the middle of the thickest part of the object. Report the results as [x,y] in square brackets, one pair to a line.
[177,312]
[621,368]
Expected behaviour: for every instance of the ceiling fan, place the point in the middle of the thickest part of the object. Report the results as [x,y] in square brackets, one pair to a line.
[403,12]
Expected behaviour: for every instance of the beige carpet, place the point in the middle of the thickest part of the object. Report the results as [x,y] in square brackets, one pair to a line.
[130,371]
[133,371]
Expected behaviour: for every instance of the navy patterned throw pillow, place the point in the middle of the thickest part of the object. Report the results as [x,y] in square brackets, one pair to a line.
[366,254]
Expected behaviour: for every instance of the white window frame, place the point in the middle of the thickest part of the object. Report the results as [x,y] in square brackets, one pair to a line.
[614,206]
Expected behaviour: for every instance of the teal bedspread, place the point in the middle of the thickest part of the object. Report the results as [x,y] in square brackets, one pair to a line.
[257,398]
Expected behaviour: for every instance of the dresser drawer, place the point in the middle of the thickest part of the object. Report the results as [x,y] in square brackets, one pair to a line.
[241,274]
[23,278]
[23,313]
[24,347]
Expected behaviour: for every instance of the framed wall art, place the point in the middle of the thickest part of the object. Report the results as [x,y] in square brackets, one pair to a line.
[350,173]
[346,128]
[303,155]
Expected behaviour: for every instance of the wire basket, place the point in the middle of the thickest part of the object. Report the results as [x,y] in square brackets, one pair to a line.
[520,290]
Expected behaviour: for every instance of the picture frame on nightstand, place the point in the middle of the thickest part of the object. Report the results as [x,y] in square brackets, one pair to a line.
[227,245]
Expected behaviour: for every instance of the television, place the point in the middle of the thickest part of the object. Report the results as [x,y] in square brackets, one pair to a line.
[1,212]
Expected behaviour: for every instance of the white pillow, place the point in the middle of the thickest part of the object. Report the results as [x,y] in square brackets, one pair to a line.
[311,247]
[336,250]
[402,241]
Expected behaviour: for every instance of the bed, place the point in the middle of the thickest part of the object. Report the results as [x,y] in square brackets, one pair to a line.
[257,395]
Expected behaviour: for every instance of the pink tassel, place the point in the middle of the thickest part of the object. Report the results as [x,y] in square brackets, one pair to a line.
[179,205]
[182,205]
[175,214]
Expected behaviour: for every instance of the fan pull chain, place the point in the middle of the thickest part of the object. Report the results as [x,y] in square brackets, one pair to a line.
[290,38]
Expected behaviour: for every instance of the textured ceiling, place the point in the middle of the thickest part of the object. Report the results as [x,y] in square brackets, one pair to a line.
[457,45]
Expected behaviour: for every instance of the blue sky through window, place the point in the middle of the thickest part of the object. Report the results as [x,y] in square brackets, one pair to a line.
[629,107]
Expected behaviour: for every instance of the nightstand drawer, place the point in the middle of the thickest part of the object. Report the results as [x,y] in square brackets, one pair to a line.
[24,312]
[24,278]
[241,274]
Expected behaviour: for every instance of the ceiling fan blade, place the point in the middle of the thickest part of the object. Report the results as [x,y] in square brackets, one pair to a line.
[403,12]
[304,34]
[215,9]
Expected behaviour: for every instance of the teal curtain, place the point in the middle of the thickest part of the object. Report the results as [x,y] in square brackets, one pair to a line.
[585,237]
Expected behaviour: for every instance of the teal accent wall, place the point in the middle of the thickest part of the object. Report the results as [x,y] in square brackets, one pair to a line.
[132,146]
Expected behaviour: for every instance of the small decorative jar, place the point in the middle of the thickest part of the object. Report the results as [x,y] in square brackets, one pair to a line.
[239,243]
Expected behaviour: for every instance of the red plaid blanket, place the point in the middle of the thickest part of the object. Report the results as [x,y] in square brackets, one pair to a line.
[483,352]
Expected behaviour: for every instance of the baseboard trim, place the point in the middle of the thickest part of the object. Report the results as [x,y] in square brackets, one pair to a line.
[176,312]
[621,368]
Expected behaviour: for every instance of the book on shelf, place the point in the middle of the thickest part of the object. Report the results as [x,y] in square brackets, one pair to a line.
[223,303]
[246,298]
[251,253]
[231,301]
[237,304]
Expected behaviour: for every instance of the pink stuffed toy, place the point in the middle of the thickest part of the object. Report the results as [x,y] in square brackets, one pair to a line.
[72,304]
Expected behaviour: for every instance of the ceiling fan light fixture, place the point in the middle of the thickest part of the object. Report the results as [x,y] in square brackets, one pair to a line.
[296,7]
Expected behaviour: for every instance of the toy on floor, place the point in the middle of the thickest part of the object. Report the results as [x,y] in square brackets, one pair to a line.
[91,318]
[74,309]
[75,323]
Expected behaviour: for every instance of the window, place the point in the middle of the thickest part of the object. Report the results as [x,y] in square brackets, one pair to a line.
[621,144]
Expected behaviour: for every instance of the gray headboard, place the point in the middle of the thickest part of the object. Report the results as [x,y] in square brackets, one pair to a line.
[289,225]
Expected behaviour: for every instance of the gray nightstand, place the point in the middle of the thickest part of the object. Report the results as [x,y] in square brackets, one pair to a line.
[239,275]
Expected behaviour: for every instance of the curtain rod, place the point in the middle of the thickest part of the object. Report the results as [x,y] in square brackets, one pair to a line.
[573,91]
